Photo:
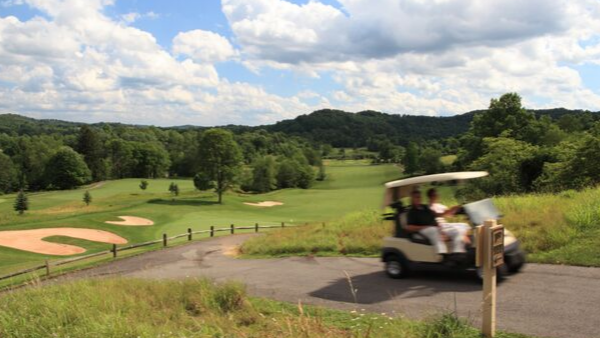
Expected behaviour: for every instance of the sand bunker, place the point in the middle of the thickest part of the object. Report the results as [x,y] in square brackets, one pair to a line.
[132,221]
[32,240]
[267,204]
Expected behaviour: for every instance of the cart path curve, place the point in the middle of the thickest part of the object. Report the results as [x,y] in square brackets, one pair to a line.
[543,300]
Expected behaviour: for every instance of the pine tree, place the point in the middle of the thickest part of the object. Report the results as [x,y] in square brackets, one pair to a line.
[21,203]
[87,198]
[174,189]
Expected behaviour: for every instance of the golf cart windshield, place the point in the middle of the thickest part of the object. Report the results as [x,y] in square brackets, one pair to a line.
[481,211]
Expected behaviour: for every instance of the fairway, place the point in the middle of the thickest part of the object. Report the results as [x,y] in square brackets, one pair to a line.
[349,186]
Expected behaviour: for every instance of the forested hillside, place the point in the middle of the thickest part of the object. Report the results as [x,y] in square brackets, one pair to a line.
[343,129]
[526,150]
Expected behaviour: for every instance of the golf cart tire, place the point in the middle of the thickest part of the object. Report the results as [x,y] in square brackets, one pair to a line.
[518,265]
[501,273]
[396,266]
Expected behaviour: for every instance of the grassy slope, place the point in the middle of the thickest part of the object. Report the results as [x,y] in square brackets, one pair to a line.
[558,229]
[349,186]
[193,308]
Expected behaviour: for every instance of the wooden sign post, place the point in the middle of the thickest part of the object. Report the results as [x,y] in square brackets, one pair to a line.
[490,255]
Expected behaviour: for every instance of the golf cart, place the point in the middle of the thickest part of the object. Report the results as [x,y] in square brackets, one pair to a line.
[407,250]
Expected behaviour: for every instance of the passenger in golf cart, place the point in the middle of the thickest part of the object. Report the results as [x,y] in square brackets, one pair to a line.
[421,220]
[419,241]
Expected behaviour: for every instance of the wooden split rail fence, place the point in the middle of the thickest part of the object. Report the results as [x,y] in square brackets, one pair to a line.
[115,249]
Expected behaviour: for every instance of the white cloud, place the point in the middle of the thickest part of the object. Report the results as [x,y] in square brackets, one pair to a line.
[399,56]
[427,57]
[79,64]
[203,46]
[132,17]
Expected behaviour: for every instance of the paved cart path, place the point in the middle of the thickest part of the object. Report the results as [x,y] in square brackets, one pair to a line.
[543,300]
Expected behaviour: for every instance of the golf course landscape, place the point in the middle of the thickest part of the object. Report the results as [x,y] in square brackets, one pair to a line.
[351,186]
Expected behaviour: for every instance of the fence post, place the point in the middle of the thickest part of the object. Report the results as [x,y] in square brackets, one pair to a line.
[256,227]
[232,229]
[164,240]
[283,224]
[47,268]
[212,231]
[189,234]
[114,251]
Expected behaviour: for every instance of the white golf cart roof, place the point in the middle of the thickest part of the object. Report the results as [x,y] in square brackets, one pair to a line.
[402,188]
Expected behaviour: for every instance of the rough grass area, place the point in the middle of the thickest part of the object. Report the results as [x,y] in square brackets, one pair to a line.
[358,234]
[122,308]
[558,229]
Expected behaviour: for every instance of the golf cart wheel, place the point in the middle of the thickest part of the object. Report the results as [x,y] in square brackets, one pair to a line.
[501,273]
[518,265]
[396,267]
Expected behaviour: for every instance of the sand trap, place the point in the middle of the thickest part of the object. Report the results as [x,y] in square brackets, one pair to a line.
[132,221]
[266,204]
[32,240]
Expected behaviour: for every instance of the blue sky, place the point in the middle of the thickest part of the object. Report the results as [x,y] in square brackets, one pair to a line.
[252,62]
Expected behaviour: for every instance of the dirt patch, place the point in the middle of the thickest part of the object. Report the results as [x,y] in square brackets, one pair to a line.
[132,221]
[231,250]
[32,240]
[265,204]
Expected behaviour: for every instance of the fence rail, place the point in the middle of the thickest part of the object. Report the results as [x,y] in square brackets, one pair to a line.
[115,249]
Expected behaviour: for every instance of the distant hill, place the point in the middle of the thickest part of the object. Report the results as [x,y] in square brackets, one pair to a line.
[342,129]
[335,127]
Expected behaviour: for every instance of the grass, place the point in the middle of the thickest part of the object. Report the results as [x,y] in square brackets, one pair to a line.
[357,234]
[350,185]
[122,308]
[557,229]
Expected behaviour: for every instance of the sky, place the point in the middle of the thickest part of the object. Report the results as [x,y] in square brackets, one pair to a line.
[253,62]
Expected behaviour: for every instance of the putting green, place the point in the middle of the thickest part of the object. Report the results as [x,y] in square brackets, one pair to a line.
[348,187]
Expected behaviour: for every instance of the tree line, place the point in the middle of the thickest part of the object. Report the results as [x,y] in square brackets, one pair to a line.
[523,151]
[217,159]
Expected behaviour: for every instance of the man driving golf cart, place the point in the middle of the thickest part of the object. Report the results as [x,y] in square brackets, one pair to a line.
[419,241]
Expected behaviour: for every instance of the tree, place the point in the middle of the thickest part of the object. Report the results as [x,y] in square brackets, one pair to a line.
[505,117]
[306,176]
[174,189]
[287,175]
[390,153]
[264,173]
[322,174]
[430,162]
[8,174]
[150,160]
[89,145]
[503,159]
[411,159]
[21,203]
[219,160]
[87,198]
[144,185]
[66,170]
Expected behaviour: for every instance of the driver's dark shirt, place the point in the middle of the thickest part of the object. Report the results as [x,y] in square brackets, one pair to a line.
[421,215]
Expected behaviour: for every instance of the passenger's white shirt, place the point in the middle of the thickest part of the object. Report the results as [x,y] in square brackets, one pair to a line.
[439,208]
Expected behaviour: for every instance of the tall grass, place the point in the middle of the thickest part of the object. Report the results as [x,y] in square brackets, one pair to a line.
[123,308]
[559,228]
[359,233]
